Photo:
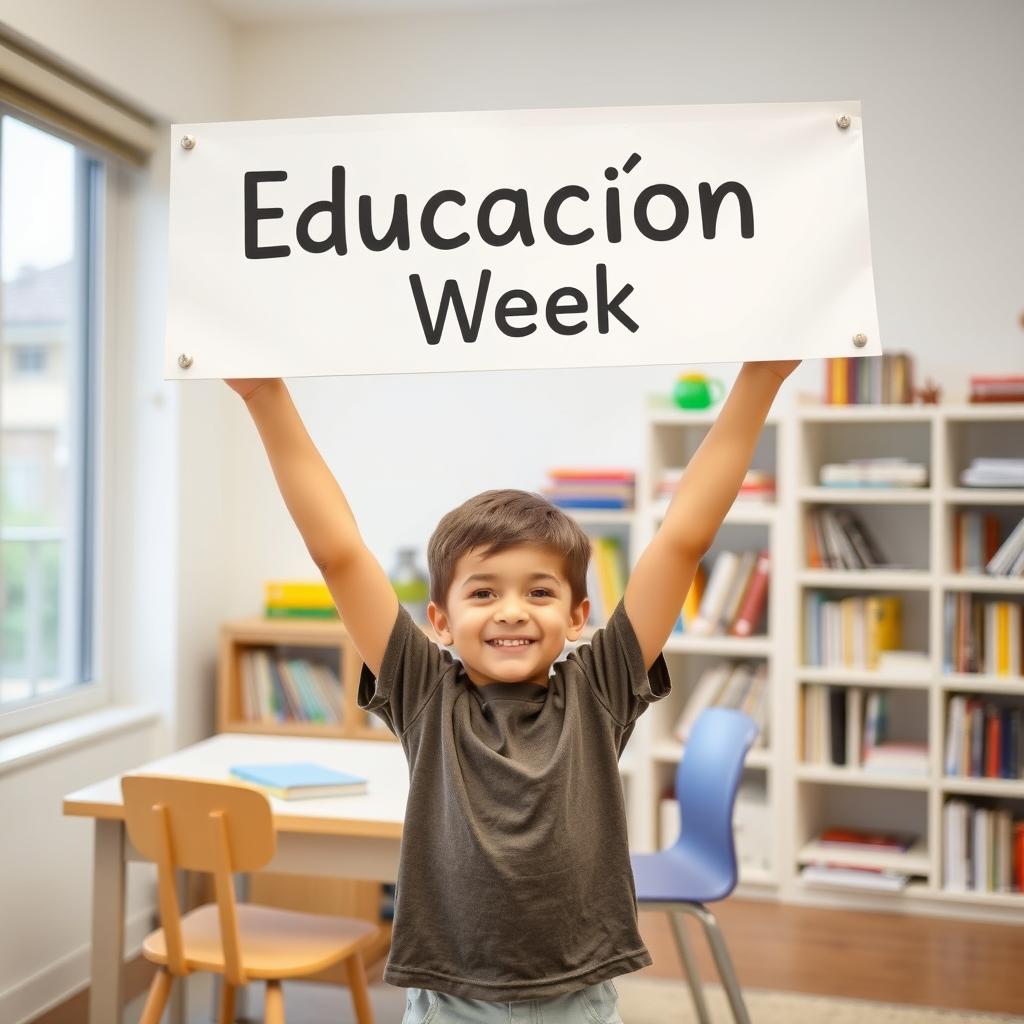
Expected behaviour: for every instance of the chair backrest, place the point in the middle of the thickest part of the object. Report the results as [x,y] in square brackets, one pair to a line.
[707,778]
[198,825]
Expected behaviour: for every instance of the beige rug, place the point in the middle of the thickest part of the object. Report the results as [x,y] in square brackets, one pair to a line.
[641,1001]
[658,1001]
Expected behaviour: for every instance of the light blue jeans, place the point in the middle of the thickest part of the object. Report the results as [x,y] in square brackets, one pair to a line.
[595,1004]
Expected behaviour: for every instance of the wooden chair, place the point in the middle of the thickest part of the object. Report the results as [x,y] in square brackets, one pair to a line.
[220,828]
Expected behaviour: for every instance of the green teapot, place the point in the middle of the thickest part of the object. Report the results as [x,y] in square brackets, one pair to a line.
[696,391]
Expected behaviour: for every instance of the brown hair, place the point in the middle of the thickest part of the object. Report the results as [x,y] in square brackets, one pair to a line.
[503,519]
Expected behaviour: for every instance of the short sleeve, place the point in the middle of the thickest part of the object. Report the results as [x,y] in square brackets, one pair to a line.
[412,667]
[613,664]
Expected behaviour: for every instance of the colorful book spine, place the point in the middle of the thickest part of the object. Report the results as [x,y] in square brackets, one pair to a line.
[285,599]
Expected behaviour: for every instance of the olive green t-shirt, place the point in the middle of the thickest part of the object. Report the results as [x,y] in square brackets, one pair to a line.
[514,879]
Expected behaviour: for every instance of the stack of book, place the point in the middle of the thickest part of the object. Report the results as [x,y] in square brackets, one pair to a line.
[729,684]
[757,485]
[298,599]
[838,539]
[735,596]
[843,730]
[862,380]
[984,740]
[887,471]
[591,488]
[982,635]
[1002,387]
[607,572]
[847,841]
[851,632]
[277,689]
[984,848]
[993,473]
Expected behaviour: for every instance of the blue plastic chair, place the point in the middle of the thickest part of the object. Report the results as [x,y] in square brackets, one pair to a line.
[700,866]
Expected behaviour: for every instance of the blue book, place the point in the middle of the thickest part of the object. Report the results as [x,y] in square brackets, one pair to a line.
[293,780]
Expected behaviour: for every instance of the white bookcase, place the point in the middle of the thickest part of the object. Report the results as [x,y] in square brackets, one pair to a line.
[914,527]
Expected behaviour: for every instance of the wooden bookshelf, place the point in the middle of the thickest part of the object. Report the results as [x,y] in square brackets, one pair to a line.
[322,640]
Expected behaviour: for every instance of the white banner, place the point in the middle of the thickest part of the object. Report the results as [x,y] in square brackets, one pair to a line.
[486,240]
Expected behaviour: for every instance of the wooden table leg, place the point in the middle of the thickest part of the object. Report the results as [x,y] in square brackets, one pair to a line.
[108,902]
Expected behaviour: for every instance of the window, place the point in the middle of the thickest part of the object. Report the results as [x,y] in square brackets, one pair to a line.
[50,192]
[29,359]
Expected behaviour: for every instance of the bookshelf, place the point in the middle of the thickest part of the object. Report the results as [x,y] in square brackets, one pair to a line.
[915,526]
[322,642]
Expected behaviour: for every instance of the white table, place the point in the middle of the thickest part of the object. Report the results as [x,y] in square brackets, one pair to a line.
[348,837]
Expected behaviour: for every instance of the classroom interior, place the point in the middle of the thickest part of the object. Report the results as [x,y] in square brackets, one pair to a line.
[143,533]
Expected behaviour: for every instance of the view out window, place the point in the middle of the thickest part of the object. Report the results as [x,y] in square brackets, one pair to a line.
[49,191]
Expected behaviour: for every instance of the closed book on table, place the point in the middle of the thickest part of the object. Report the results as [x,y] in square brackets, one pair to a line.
[300,779]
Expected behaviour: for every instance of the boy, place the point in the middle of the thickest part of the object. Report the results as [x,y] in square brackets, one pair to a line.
[515,897]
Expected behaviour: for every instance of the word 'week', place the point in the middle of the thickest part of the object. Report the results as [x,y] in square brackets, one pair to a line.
[517,228]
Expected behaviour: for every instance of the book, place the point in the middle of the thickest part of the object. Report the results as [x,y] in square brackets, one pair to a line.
[755,598]
[716,593]
[858,878]
[296,780]
[297,593]
[862,839]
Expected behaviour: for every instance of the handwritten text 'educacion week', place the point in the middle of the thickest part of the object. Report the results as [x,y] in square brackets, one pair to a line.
[516,303]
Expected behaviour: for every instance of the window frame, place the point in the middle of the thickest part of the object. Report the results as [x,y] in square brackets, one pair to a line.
[98,202]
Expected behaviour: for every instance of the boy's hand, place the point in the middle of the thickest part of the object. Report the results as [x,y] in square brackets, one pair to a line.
[245,386]
[782,368]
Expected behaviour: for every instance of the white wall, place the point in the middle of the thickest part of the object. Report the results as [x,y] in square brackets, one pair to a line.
[174,61]
[940,84]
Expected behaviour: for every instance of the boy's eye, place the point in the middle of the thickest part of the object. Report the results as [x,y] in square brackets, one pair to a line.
[536,590]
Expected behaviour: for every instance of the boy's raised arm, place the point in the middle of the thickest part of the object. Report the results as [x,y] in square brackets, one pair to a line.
[361,590]
[659,582]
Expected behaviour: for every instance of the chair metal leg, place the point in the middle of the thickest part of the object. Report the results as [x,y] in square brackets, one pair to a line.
[723,961]
[690,966]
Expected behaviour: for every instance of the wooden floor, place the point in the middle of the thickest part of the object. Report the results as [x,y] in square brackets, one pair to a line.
[901,958]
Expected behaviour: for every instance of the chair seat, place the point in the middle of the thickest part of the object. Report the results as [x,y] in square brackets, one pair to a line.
[274,943]
[675,874]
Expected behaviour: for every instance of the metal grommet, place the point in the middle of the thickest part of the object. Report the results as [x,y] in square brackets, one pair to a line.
[184,360]
[843,121]
[188,141]
[860,340]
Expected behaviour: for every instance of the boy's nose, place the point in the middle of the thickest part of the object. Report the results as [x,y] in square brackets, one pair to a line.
[511,611]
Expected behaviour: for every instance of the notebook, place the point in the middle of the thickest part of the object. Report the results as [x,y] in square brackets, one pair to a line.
[295,780]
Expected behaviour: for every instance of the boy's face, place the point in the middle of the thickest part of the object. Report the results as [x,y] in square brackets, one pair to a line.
[523,593]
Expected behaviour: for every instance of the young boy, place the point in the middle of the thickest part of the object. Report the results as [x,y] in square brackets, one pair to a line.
[515,898]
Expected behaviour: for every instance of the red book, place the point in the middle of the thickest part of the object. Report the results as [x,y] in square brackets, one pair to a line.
[754,598]
[859,839]
[991,537]
[591,474]
[992,744]
[1018,844]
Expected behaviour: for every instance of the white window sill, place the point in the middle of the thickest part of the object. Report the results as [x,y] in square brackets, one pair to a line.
[33,745]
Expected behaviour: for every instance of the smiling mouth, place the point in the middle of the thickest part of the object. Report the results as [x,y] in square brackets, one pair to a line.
[510,647]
